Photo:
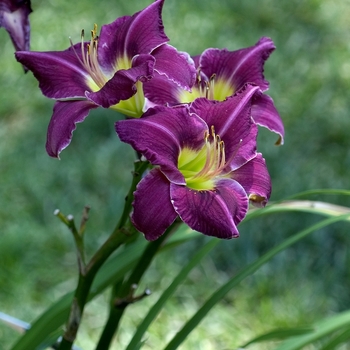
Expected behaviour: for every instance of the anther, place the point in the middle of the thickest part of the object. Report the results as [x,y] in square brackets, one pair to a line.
[207,89]
[212,131]
[199,76]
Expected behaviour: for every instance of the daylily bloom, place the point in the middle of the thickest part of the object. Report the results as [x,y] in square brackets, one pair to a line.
[207,168]
[14,17]
[220,73]
[106,72]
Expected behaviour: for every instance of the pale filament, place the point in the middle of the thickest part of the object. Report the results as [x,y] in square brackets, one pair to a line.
[206,88]
[89,58]
[215,155]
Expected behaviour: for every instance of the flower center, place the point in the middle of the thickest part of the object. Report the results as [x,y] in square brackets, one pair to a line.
[200,168]
[133,107]
[215,88]
[96,79]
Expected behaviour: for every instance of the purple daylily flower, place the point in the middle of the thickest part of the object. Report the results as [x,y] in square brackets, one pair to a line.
[207,168]
[14,17]
[220,73]
[106,72]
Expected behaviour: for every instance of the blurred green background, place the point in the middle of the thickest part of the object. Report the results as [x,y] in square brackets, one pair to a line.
[309,75]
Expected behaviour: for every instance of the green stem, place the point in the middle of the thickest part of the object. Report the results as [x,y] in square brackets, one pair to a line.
[84,285]
[122,297]
[139,169]
[78,237]
[119,236]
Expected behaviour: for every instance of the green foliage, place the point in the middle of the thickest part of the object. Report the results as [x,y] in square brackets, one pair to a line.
[322,328]
[309,75]
[219,294]
[279,334]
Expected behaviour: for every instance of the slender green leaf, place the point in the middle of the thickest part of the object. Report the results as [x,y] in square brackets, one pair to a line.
[279,334]
[250,269]
[154,311]
[57,314]
[182,235]
[313,207]
[50,340]
[322,329]
[328,191]
[115,268]
[337,340]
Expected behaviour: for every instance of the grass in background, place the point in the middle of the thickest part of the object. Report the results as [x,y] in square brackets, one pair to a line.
[310,79]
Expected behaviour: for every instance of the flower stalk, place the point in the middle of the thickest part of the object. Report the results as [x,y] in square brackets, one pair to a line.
[124,295]
[77,235]
[87,272]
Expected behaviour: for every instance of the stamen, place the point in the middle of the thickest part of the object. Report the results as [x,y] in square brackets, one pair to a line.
[202,167]
[206,88]
[215,156]
[212,86]
[89,57]
[199,79]
[222,153]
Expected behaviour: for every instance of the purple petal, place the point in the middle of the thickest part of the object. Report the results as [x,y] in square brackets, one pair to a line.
[255,179]
[176,66]
[265,114]
[153,211]
[14,17]
[162,91]
[109,48]
[196,60]
[62,124]
[130,36]
[122,85]
[232,122]
[161,134]
[239,67]
[60,73]
[214,213]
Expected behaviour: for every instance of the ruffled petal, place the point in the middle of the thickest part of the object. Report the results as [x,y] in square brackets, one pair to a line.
[153,212]
[177,67]
[131,35]
[162,91]
[239,67]
[255,179]
[14,17]
[122,85]
[161,134]
[232,122]
[60,73]
[214,213]
[265,114]
[63,123]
